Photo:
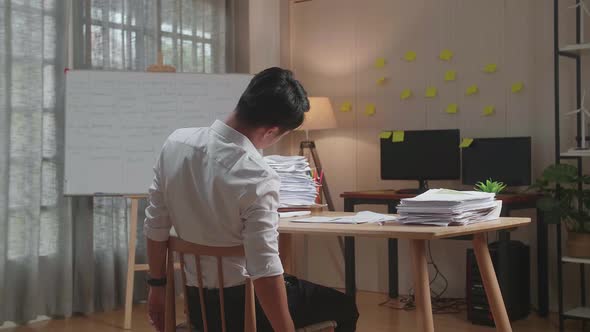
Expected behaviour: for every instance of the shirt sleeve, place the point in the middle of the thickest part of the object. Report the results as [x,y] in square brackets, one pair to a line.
[260,234]
[157,224]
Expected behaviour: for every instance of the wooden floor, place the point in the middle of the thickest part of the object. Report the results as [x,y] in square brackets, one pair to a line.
[374,318]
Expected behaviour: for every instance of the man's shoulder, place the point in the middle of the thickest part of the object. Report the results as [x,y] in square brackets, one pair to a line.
[186,135]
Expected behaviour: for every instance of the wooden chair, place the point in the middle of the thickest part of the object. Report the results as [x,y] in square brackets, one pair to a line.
[176,245]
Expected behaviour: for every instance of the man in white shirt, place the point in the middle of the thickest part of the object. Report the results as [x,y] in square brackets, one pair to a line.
[213,186]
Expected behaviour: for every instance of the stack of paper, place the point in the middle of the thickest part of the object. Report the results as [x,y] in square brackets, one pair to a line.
[297,186]
[360,218]
[444,207]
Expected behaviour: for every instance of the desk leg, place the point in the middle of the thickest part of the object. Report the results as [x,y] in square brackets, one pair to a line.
[422,285]
[286,253]
[490,283]
[542,266]
[349,266]
[393,259]
[130,263]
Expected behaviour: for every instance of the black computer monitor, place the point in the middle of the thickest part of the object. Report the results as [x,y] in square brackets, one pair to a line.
[505,159]
[423,155]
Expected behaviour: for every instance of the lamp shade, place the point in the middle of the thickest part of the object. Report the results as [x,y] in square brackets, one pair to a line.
[320,115]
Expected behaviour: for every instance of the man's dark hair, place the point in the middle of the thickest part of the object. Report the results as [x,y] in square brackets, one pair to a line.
[273,98]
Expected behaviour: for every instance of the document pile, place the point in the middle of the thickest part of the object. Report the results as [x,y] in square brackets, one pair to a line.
[362,217]
[444,207]
[297,186]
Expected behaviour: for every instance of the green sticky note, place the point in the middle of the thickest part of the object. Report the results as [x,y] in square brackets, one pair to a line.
[452,108]
[490,68]
[517,87]
[381,80]
[450,75]
[346,106]
[466,142]
[489,110]
[431,92]
[370,109]
[379,62]
[385,134]
[471,90]
[406,94]
[410,56]
[446,55]
[398,136]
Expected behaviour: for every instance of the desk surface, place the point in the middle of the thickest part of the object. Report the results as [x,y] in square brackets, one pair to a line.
[394,195]
[395,230]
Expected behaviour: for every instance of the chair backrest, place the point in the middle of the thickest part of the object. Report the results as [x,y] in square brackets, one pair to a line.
[176,245]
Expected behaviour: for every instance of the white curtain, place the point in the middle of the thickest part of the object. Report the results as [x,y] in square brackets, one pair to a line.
[62,255]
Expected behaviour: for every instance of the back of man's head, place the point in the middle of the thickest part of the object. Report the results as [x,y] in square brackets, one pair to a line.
[273,98]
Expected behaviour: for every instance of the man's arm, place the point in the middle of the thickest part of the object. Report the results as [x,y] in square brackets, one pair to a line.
[157,229]
[262,255]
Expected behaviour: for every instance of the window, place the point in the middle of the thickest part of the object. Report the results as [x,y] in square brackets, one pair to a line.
[124,34]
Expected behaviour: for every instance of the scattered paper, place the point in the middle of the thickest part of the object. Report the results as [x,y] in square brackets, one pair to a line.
[398,136]
[471,90]
[346,106]
[294,214]
[370,109]
[450,75]
[490,68]
[446,55]
[489,110]
[381,80]
[379,62]
[466,142]
[410,56]
[385,134]
[431,92]
[406,94]
[517,87]
[362,217]
[452,108]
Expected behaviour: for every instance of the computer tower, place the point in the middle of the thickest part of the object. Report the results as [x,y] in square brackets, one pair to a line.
[513,277]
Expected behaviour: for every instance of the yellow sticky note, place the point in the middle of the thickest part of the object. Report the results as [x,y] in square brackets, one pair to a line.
[370,109]
[490,68]
[410,56]
[452,108]
[489,110]
[517,87]
[346,106]
[450,75]
[406,94]
[385,134]
[466,142]
[379,62]
[381,80]
[471,90]
[446,55]
[398,136]
[431,92]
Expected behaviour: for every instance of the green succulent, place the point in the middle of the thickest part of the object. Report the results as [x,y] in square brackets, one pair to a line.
[490,186]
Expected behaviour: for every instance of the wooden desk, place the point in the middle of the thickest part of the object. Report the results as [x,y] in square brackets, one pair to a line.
[510,202]
[418,235]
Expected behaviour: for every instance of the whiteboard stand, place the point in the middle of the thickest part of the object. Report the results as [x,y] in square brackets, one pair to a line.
[131,266]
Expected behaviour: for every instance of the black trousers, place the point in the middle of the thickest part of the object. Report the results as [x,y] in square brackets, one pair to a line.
[308,303]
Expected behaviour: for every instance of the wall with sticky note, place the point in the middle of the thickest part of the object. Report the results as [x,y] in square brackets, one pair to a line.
[483,60]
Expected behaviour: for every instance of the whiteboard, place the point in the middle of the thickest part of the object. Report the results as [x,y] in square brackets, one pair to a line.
[117,122]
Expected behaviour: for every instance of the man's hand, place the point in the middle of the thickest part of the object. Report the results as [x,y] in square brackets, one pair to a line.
[156,307]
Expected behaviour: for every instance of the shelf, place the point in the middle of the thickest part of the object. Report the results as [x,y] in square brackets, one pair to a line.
[576,153]
[578,313]
[575,260]
[576,48]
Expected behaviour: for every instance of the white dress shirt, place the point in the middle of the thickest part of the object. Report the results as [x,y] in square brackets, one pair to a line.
[213,186]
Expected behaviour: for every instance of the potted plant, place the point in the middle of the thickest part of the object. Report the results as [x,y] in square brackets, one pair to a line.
[567,204]
[490,186]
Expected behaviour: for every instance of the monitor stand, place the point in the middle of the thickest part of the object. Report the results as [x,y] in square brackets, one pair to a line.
[422,187]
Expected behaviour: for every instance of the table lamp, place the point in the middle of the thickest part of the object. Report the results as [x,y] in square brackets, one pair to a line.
[320,116]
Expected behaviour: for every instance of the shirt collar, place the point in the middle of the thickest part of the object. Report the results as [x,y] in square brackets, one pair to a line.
[234,136]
